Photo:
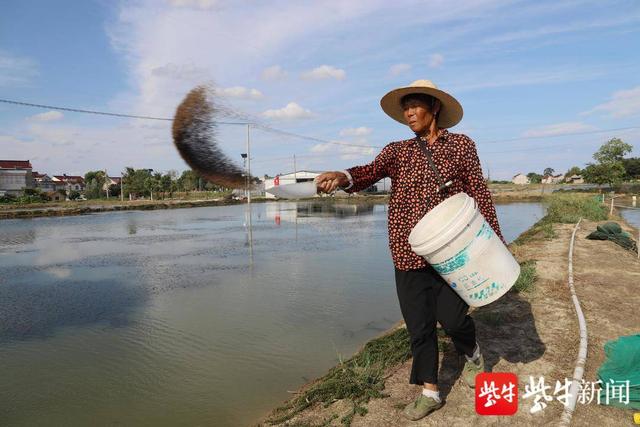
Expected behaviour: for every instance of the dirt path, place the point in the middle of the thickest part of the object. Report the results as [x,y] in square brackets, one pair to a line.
[530,334]
[607,282]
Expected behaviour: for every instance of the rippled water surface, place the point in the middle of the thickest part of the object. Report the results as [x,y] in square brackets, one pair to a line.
[183,317]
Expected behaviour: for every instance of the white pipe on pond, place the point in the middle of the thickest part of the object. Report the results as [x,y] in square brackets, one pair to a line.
[578,372]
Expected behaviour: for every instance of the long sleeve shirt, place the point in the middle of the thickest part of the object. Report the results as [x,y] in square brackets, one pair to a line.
[414,186]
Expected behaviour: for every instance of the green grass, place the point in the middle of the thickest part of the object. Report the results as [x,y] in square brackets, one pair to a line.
[569,208]
[564,209]
[527,276]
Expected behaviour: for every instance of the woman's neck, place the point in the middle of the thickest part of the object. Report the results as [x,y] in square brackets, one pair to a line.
[431,134]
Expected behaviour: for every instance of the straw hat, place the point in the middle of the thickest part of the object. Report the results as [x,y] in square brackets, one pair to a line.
[450,108]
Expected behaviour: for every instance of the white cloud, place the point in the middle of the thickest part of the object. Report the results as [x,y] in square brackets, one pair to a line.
[492,77]
[321,148]
[623,103]
[16,71]
[350,152]
[49,116]
[397,69]
[188,72]
[199,4]
[558,129]
[275,72]
[345,152]
[436,60]
[240,92]
[555,30]
[325,72]
[291,111]
[360,131]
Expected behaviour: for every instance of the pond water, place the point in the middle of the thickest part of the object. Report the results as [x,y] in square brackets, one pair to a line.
[632,216]
[183,317]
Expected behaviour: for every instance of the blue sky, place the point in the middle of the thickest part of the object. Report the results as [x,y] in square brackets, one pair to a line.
[541,82]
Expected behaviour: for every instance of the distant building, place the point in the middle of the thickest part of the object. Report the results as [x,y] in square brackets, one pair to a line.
[55,196]
[44,182]
[575,179]
[288,178]
[69,182]
[15,176]
[111,180]
[553,179]
[520,179]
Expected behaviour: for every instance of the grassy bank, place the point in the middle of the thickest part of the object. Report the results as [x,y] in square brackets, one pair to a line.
[362,377]
[564,209]
[358,379]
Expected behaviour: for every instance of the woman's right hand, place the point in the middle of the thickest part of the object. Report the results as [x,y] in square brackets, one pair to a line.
[328,182]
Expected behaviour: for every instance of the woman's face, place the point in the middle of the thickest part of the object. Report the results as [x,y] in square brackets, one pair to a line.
[418,115]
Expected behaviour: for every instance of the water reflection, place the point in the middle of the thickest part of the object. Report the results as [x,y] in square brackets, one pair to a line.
[336,209]
[290,212]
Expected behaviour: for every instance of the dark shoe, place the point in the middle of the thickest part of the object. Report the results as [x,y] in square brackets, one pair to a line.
[421,407]
[470,371]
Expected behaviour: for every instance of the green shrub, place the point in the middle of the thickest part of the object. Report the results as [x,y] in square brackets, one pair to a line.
[569,208]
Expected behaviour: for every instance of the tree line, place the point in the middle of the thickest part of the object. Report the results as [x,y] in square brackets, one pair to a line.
[610,166]
[145,183]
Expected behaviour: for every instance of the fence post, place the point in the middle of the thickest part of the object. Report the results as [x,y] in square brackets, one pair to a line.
[611,211]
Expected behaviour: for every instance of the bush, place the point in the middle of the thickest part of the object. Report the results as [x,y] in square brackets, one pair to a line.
[564,208]
[7,198]
[569,208]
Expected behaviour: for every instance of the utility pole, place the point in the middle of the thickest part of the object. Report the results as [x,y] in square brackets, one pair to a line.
[295,169]
[249,191]
[121,187]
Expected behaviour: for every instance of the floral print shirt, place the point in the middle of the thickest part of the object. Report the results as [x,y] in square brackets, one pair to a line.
[414,186]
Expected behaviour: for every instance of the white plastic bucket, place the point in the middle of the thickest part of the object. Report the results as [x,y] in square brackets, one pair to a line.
[462,247]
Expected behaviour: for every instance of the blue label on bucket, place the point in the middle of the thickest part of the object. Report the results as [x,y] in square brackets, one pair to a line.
[460,259]
[486,292]
[454,263]
[485,231]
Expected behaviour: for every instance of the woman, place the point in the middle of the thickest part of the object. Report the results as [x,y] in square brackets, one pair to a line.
[424,171]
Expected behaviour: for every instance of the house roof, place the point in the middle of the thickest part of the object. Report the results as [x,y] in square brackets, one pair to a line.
[298,172]
[38,175]
[15,164]
[70,178]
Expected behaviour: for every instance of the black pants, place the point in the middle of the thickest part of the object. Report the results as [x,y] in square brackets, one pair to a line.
[425,298]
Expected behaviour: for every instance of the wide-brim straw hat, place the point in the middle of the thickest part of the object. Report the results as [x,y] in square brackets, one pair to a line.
[450,109]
